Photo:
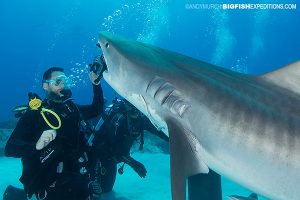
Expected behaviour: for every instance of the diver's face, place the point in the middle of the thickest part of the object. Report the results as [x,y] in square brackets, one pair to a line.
[56,84]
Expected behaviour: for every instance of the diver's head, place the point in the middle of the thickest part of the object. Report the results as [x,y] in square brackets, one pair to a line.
[56,84]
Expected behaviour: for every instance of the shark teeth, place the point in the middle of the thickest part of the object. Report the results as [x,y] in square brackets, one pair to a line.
[166,95]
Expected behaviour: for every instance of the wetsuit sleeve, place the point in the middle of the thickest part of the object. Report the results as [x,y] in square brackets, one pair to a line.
[21,143]
[96,108]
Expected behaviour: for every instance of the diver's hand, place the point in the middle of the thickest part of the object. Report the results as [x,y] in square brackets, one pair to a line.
[46,137]
[93,77]
[139,168]
[135,165]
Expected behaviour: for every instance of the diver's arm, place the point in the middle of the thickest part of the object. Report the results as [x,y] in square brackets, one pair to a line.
[135,165]
[96,108]
[19,144]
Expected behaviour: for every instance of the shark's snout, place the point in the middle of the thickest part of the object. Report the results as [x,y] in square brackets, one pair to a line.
[104,44]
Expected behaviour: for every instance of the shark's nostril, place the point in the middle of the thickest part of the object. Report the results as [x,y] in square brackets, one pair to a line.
[106,45]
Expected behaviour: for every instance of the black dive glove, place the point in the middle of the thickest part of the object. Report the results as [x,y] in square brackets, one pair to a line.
[135,165]
[98,66]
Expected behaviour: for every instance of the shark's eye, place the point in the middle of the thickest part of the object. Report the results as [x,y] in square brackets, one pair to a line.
[106,45]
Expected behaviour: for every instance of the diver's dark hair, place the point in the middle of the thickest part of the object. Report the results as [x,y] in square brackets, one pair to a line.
[47,74]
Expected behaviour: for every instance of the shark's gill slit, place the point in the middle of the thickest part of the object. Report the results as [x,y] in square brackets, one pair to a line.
[167,96]
[179,107]
[151,82]
[163,92]
[159,89]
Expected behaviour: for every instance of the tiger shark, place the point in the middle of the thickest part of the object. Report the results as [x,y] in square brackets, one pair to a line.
[242,126]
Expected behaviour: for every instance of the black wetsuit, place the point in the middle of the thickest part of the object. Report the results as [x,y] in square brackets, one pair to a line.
[118,133]
[40,168]
[112,143]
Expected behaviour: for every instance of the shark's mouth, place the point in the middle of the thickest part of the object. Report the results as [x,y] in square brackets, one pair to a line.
[103,59]
[106,66]
[106,71]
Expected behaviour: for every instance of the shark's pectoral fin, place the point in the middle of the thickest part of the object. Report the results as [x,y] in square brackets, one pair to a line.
[185,158]
[287,77]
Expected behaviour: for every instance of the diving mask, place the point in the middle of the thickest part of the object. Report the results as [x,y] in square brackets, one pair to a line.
[59,80]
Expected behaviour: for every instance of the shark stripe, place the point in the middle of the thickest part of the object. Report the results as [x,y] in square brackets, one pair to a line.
[245,127]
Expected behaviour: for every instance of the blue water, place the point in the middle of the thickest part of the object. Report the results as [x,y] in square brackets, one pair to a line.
[36,35]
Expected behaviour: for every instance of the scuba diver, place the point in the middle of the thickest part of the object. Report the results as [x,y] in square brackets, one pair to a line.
[62,152]
[121,125]
[48,139]
[111,139]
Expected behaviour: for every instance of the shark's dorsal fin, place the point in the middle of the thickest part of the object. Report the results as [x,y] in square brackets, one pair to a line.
[287,77]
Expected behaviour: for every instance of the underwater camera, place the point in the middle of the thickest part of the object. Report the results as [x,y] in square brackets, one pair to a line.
[98,66]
